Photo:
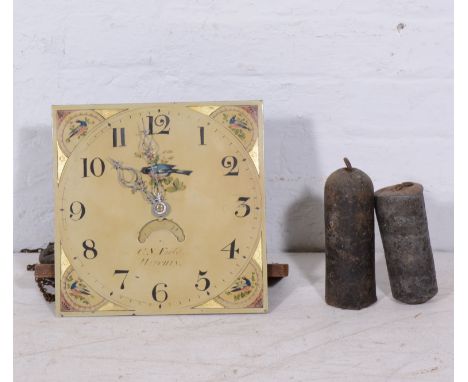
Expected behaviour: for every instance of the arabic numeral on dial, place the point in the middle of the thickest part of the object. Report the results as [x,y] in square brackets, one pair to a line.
[90,252]
[96,167]
[203,283]
[202,136]
[244,207]
[116,136]
[77,210]
[231,248]
[159,294]
[160,122]
[122,272]
[230,162]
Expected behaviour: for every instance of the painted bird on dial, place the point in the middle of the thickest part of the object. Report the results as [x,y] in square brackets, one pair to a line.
[78,290]
[162,170]
[242,286]
[80,129]
[236,123]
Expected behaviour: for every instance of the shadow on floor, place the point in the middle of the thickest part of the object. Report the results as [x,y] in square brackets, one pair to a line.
[304,268]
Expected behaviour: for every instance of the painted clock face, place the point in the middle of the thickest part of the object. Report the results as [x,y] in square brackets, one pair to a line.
[160,209]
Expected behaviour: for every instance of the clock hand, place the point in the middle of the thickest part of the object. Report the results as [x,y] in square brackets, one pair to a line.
[160,207]
[161,170]
[149,148]
[135,181]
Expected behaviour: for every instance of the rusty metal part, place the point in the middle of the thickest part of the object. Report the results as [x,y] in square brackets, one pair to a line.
[349,239]
[401,215]
[31,250]
[31,267]
[44,276]
[44,271]
[46,255]
[42,283]
[276,271]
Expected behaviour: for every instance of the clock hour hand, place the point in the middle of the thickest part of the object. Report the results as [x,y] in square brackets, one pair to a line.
[161,170]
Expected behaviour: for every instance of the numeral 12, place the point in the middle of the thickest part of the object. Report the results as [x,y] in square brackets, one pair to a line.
[161,121]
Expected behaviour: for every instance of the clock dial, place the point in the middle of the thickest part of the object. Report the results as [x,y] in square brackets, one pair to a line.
[160,209]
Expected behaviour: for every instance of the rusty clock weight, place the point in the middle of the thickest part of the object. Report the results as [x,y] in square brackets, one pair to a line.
[349,239]
[401,214]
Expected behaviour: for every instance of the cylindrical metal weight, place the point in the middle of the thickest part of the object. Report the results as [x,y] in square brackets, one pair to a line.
[401,215]
[349,239]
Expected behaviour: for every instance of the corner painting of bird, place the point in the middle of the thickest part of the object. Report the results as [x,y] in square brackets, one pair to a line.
[161,170]
[235,122]
[78,289]
[243,285]
[79,130]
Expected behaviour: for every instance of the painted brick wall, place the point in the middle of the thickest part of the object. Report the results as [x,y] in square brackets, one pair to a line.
[369,79]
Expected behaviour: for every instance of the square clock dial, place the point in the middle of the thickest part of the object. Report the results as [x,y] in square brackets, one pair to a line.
[159,209]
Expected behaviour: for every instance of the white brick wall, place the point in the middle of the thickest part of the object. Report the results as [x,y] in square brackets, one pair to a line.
[337,78]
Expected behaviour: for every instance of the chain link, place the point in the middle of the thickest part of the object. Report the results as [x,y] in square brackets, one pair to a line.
[42,283]
[45,257]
